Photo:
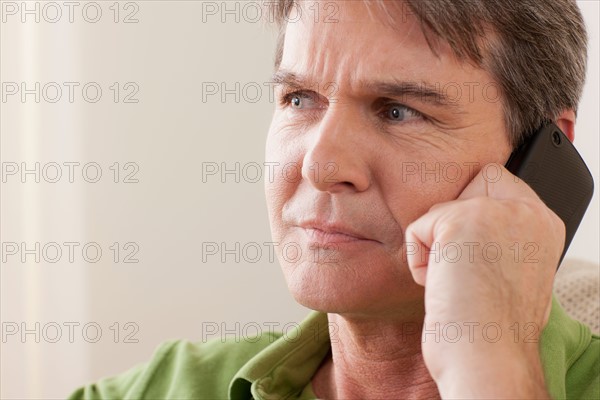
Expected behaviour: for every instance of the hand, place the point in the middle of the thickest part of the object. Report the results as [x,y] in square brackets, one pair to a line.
[487,261]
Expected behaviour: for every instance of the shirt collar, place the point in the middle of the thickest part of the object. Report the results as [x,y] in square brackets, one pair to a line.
[284,368]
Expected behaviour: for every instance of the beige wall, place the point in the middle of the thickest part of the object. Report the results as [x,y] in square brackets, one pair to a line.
[170,211]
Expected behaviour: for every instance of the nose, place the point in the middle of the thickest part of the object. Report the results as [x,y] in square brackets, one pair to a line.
[334,160]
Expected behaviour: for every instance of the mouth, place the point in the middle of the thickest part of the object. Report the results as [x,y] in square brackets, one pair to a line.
[322,235]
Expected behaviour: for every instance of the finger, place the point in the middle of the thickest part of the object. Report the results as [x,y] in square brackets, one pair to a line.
[493,180]
[419,238]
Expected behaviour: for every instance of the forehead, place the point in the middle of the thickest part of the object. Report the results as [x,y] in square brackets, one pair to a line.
[345,41]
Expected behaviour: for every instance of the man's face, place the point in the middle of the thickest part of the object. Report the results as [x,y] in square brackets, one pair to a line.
[372,152]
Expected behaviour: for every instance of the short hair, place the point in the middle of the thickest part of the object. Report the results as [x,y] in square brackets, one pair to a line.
[536,50]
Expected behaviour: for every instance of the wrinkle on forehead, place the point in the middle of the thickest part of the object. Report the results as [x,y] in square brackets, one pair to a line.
[345,51]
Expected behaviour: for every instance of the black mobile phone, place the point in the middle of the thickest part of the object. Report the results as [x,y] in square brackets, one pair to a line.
[549,163]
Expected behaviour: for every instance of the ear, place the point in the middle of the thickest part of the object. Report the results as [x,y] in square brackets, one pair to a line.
[566,123]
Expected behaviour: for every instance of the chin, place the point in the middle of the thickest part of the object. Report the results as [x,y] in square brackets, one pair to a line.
[344,288]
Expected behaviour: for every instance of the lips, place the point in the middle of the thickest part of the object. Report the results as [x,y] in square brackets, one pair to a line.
[331,232]
[349,219]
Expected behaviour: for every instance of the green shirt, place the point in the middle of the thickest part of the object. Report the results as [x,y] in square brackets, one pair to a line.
[276,366]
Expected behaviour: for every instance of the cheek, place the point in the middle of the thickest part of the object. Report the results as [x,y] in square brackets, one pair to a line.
[410,189]
[282,174]
[276,193]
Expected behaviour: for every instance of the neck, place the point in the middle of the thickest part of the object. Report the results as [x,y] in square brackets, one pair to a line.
[374,358]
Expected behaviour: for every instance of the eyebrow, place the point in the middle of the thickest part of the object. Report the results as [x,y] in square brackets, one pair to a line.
[421,91]
[291,79]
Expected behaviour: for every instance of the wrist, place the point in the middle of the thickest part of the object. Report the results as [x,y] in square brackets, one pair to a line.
[497,374]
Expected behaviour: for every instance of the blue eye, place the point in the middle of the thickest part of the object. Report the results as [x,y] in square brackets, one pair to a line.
[398,113]
[296,101]
[299,100]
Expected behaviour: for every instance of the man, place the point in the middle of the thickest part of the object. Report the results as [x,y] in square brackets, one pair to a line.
[427,283]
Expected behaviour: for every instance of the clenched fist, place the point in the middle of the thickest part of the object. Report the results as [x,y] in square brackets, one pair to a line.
[487,261]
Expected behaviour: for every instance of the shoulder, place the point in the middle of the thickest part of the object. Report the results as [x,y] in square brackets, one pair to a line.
[228,353]
[182,369]
[583,375]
